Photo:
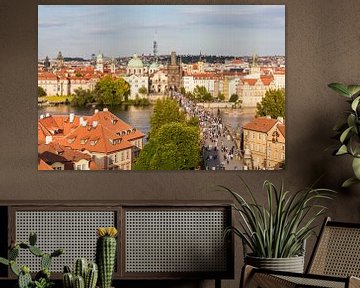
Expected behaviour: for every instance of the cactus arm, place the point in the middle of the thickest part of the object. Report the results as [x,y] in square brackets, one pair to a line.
[14,268]
[57,253]
[68,280]
[79,282]
[24,280]
[91,276]
[36,251]
[32,239]
[80,267]
[45,261]
[13,253]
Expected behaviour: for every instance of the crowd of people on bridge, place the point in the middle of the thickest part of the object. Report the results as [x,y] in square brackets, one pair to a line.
[218,147]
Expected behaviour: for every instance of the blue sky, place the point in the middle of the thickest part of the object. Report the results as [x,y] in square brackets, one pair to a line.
[122,30]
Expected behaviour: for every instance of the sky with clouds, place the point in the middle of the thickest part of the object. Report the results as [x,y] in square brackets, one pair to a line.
[122,30]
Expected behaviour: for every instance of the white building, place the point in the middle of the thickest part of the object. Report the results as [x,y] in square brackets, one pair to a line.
[136,82]
[136,77]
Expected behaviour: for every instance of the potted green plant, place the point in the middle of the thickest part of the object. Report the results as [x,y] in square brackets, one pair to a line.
[275,234]
[349,131]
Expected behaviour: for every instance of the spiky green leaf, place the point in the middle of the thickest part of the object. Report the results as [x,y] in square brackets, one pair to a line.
[349,182]
[356,167]
[340,88]
[355,103]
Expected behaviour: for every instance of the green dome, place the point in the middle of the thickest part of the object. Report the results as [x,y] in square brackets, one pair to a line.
[135,62]
[154,65]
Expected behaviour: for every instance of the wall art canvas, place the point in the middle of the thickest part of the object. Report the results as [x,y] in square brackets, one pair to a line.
[161,87]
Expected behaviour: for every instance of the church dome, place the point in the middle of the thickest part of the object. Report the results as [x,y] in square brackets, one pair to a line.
[135,62]
[154,65]
[100,56]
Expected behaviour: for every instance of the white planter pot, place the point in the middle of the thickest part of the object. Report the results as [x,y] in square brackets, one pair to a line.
[291,264]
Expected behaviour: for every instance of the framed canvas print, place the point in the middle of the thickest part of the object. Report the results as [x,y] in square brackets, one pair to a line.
[161,87]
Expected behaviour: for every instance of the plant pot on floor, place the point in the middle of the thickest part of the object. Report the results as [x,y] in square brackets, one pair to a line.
[290,264]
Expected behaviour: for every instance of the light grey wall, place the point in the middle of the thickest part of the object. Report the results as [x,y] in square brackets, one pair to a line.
[322,46]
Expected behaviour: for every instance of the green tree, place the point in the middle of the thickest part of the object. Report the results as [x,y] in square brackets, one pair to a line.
[233,98]
[175,147]
[221,96]
[111,91]
[142,90]
[182,90]
[165,111]
[82,97]
[272,104]
[41,92]
[201,94]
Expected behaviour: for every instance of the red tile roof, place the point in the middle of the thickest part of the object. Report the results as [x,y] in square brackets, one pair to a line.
[103,132]
[261,124]
[43,166]
[266,80]
[251,82]
[54,152]
[281,128]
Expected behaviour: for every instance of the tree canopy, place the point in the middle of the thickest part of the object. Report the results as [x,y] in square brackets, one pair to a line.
[233,98]
[165,111]
[111,91]
[83,97]
[175,147]
[221,96]
[142,90]
[272,104]
[201,94]
[41,92]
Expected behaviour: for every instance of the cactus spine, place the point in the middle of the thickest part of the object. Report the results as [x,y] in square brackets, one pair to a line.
[105,255]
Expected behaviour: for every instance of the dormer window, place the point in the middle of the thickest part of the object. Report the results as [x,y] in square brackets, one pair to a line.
[113,121]
[71,140]
[83,141]
[93,142]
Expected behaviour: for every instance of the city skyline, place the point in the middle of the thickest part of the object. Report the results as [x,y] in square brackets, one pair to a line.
[79,31]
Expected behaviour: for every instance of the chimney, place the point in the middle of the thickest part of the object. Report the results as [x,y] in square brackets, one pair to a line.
[268,117]
[95,123]
[96,111]
[47,115]
[84,123]
[48,140]
[105,109]
[71,117]
[280,119]
[42,116]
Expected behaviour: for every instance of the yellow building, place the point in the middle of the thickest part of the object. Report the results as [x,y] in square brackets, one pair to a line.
[264,138]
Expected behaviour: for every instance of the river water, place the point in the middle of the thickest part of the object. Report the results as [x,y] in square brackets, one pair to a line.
[138,117]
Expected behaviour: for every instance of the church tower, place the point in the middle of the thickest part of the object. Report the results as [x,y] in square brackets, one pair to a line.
[100,63]
[174,73]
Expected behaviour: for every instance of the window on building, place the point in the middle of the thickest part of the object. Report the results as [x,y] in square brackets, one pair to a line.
[122,156]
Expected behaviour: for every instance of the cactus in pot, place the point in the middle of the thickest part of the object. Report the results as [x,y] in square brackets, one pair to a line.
[106,254]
